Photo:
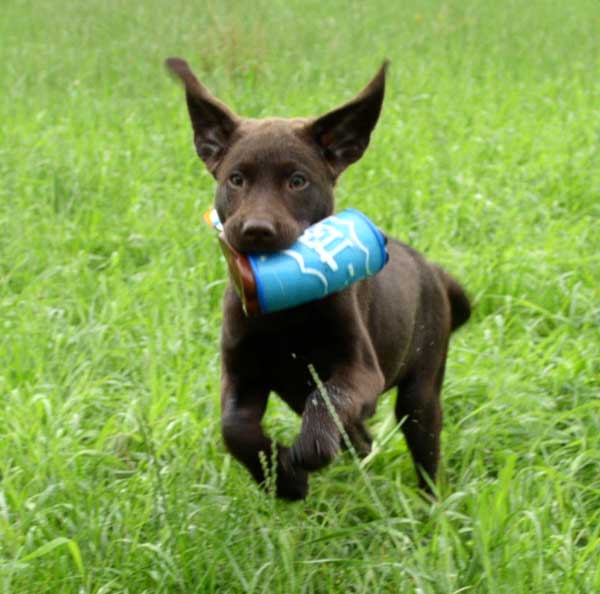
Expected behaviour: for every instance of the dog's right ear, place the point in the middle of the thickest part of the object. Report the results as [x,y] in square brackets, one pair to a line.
[212,121]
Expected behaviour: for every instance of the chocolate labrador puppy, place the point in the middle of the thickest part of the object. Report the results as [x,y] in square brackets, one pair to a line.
[275,177]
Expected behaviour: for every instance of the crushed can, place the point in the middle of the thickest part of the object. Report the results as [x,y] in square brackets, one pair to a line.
[328,257]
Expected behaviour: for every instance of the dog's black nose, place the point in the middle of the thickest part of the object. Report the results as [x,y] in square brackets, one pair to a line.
[258,230]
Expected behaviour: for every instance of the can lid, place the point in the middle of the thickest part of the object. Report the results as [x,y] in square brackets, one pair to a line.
[242,276]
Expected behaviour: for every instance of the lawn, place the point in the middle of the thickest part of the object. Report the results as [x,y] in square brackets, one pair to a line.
[486,158]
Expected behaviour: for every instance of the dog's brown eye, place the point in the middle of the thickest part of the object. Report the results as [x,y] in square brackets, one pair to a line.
[298,182]
[236,180]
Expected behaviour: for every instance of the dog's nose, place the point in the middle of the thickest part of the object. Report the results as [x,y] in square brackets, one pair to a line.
[258,230]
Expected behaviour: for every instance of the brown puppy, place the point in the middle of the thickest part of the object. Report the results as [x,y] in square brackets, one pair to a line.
[275,177]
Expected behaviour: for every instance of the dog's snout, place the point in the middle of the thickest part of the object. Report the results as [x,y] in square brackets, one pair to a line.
[260,233]
[258,230]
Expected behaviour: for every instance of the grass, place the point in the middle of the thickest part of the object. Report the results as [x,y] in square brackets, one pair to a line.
[113,475]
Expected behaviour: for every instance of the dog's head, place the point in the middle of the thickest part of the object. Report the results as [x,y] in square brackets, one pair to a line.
[276,176]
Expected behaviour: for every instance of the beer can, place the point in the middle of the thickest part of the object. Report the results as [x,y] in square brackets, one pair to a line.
[328,257]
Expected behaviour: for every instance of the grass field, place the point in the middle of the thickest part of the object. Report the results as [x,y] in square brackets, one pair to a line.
[486,158]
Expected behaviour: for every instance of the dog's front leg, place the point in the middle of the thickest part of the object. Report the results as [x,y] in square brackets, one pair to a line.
[338,403]
[242,412]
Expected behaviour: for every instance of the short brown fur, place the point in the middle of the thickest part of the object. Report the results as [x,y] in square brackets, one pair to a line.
[275,177]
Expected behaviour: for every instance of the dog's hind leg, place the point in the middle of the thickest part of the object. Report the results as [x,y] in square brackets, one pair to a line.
[419,410]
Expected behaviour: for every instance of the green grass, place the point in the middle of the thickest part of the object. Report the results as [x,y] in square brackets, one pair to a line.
[486,158]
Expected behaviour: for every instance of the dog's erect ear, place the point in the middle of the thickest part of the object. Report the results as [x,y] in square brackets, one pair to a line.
[343,134]
[213,122]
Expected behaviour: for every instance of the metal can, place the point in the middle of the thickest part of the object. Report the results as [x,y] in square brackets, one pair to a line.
[328,257]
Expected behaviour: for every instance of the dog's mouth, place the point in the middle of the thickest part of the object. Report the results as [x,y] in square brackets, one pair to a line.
[261,239]
[257,247]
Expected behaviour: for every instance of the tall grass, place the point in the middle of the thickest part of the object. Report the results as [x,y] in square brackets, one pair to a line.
[486,158]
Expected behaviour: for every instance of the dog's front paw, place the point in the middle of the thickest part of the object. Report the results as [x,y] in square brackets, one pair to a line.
[312,451]
[359,437]
[292,485]
[288,481]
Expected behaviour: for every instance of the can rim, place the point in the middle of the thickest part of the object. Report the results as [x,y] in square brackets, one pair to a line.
[376,231]
[260,290]
[242,276]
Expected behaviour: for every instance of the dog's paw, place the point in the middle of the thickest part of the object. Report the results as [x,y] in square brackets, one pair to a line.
[312,451]
[293,489]
[360,439]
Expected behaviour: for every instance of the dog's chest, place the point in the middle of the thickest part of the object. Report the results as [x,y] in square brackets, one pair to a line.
[291,378]
[284,363]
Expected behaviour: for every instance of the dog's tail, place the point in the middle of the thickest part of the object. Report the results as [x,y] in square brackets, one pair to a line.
[460,307]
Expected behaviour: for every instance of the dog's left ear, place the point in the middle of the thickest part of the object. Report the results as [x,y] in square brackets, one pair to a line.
[343,134]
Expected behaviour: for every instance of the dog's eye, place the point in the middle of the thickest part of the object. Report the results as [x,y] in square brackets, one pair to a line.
[236,180]
[297,182]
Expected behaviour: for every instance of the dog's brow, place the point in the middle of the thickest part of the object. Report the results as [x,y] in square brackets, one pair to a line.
[272,159]
[293,164]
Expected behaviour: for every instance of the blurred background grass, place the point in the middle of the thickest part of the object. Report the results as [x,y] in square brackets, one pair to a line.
[486,158]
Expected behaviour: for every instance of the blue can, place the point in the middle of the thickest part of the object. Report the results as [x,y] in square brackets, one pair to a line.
[328,257]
